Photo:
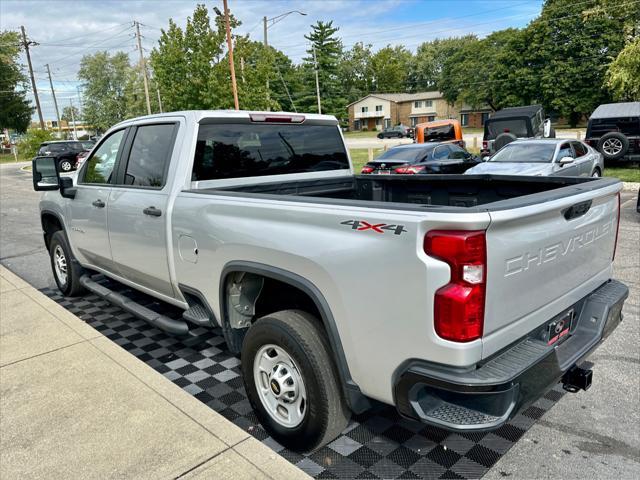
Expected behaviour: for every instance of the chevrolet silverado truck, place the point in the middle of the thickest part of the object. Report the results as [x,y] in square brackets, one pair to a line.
[458,299]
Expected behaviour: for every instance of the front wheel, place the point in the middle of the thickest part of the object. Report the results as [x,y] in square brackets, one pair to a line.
[596,173]
[291,380]
[66,272]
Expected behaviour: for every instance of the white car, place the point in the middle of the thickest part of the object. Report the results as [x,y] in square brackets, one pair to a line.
[543,157]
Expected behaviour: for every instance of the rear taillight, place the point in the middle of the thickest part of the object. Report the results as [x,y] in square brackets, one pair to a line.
[459,305]
[410,170]
[485,145]
[366,169]
[615,245]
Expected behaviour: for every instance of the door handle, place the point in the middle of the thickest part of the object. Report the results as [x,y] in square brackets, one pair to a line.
[98,203]
[153,211]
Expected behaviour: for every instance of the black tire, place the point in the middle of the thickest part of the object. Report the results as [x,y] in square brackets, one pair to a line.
[298,334]
[613,146]
[65,165]
[596,173]
[380,136]
[70,287]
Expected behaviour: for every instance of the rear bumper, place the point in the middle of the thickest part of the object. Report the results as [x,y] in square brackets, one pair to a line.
[488,395]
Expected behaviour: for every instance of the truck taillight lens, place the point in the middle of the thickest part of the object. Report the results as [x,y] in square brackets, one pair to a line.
[367,169]
[615,245]
[459,305]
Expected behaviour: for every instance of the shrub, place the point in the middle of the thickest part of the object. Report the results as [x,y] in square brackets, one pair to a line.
[28,147]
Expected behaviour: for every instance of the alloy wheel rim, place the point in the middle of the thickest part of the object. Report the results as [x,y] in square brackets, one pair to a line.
[280,386]
[612,146]
[66,166]
[60,264]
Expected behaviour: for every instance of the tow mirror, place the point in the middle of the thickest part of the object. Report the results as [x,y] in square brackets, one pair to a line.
[565,160]
[45,173]
[547,128]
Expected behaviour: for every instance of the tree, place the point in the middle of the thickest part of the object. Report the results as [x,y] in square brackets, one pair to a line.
[66,113]
[428,62]
[15,109]
[569,54]
[104,80]
[328,52]
[356,73]
[390,67]
[623,75]
[134,93]
[189,66]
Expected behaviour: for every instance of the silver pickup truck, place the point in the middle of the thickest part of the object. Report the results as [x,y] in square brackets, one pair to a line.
[458,299]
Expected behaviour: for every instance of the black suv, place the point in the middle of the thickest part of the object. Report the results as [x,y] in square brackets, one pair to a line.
[398,131]
[614,130]
[65,151]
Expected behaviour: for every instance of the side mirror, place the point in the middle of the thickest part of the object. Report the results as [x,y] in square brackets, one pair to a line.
[547,128]
[565,160]
[486,158]
[45,174]
[67,190]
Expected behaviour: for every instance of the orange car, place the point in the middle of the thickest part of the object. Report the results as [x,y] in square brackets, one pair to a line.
[439,131]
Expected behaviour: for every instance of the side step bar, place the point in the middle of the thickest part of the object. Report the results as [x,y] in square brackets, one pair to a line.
[175,327]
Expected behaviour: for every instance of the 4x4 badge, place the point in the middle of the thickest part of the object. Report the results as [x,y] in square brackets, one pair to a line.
[361,225]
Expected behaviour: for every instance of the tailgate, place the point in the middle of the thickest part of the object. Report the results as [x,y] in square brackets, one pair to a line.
[542,258]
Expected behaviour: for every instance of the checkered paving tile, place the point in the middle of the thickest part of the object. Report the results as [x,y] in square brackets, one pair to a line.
[376,445]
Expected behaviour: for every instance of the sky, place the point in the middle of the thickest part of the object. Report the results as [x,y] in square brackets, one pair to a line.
[67,30]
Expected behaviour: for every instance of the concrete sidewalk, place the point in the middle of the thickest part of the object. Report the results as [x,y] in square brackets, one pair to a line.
[75,405]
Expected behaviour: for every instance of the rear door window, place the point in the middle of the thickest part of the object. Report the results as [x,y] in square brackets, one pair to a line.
[249,150]
[580,149]
[149,156]
[441,152]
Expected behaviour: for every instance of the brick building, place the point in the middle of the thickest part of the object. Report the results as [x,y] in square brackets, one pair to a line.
[381,110]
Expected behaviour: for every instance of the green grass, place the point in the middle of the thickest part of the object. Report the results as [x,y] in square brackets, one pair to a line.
[9,158]
[626,174]
[360,156]
[369,134]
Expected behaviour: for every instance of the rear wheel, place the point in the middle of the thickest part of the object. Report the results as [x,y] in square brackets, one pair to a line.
[65,165]
[596,173]
[66,272]
[291,380]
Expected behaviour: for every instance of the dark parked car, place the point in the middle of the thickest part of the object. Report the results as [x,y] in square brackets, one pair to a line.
[399,131]
[614,130]
[419,158]
[509,124]
[65,151]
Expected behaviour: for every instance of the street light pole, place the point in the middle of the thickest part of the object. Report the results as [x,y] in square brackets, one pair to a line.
[273,21]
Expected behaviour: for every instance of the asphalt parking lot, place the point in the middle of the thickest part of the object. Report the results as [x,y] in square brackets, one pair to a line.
[594,434]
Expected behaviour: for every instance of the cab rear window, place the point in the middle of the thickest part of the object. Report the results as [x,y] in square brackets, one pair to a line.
[249,150]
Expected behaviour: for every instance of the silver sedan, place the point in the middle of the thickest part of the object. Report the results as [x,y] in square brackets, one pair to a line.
[550,156]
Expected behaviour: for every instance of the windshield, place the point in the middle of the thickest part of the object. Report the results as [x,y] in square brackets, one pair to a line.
[525,153]
[249,150]
[517,126]
[443,132]
[403,155]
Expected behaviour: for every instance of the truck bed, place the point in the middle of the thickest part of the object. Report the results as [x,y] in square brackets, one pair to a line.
[466,193]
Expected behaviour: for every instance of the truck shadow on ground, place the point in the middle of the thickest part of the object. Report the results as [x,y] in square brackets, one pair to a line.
[377,444]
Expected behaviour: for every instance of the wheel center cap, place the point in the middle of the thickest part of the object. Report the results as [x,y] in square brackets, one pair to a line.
[275,387]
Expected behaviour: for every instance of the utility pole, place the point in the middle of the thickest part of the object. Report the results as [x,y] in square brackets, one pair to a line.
[315,65]
[73,119]
[26,45]
[159,99]
[266,44]
[55,101]
[231,66]
[144,68]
